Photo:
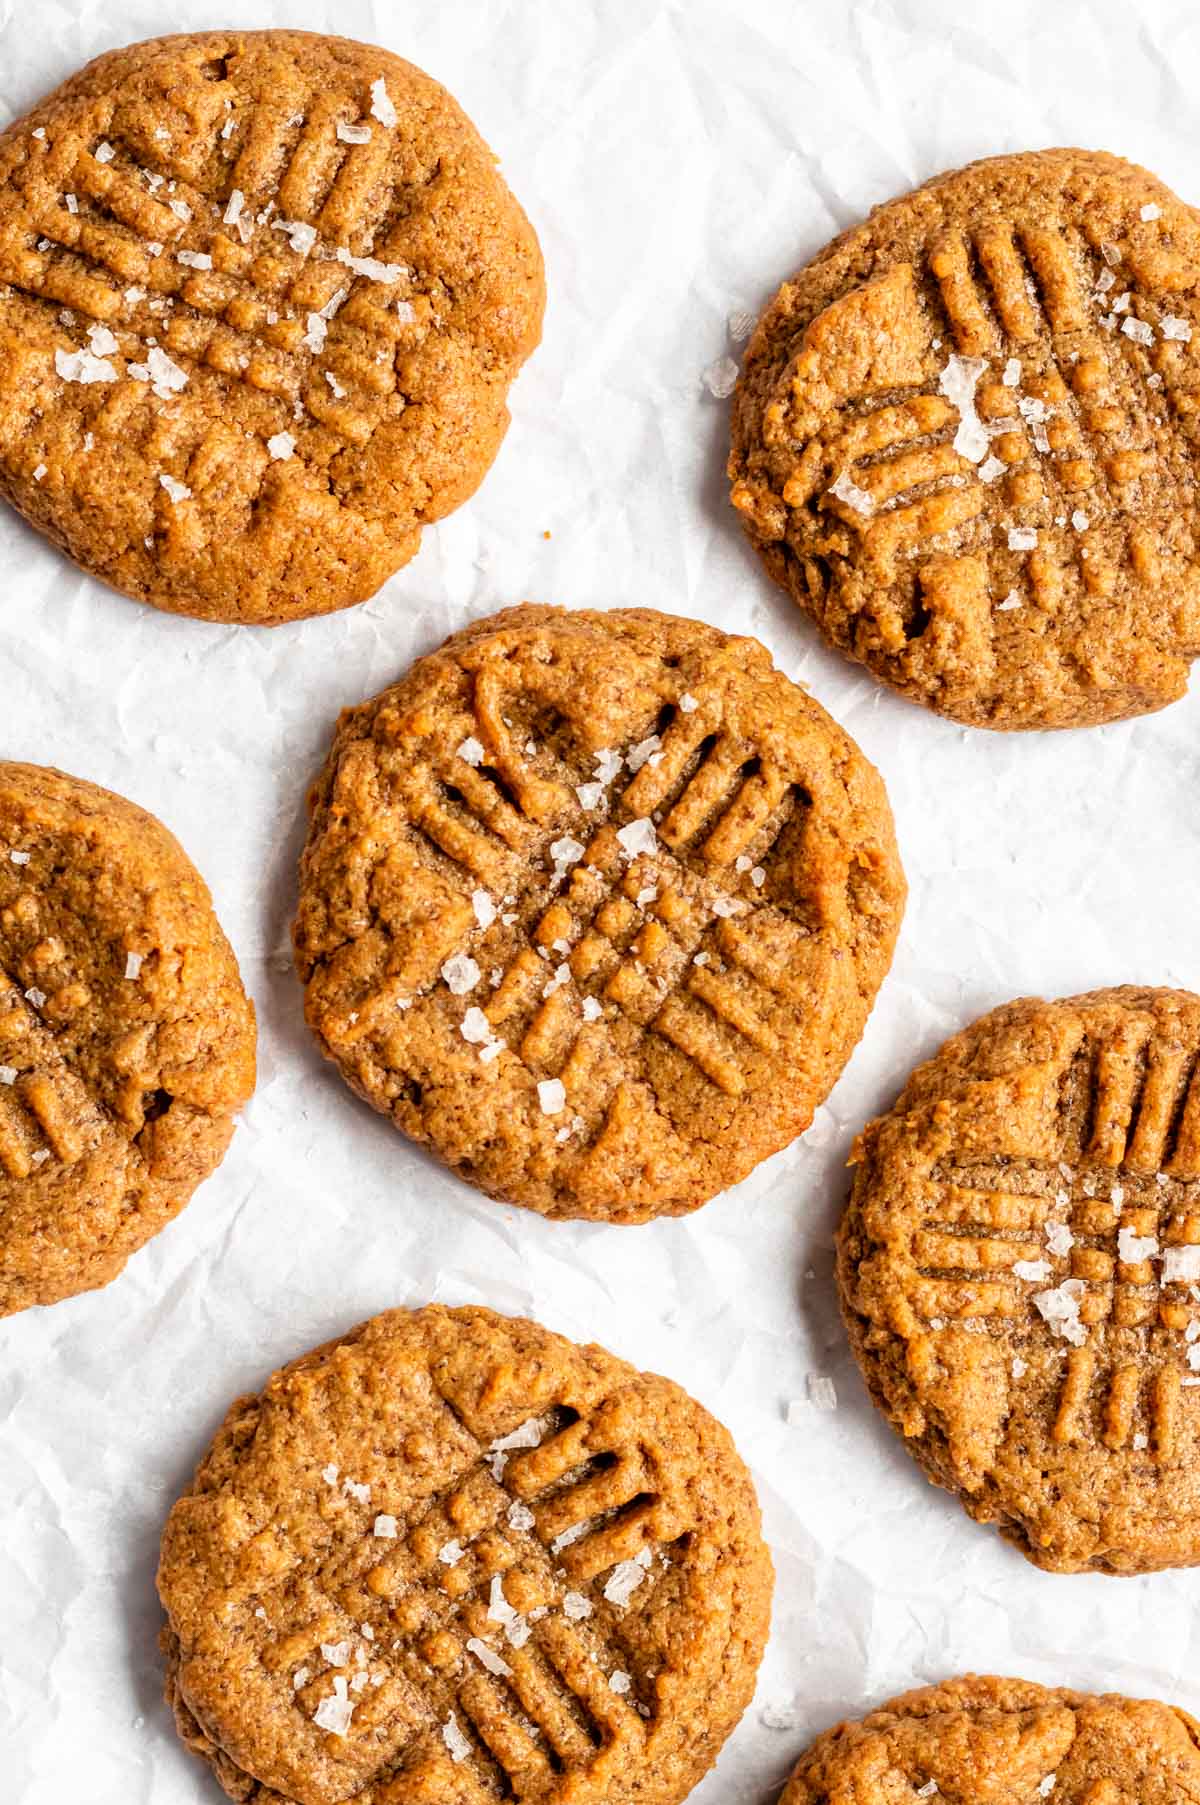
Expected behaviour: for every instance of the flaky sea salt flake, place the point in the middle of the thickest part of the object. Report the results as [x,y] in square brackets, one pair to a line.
[450,1553]
[335,1712]
[1138,330]
[1022,538]
[460,974]
[1180,1265]
[1034,1272]
[353,134]
[637,837]
[194,259]
[384,1527]
[458,1745]
[848,491]
[625,1579]
[525,1435]
[371,267]
[133,965]
[300,235]
[575,1607]
[164,376]
[720,378]
[487,1657]
[175,489]
[1060,1310]
[83,366]
[381,103]
[552,1096]
[1171,326]
[1151,210]
[957,383]
[1133,1248]
[281,445]
[636,757]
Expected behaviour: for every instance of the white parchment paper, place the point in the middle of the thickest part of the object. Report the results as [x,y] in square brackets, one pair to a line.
[678,158]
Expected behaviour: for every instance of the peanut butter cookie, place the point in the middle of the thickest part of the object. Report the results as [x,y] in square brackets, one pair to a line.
[984,1741]
[262,295]
[454,1557]
[595,905]
[965,441]
[1020,1275]
[126,1039]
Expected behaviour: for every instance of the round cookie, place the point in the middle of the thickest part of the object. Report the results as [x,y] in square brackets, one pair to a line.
[126,1039]
[964,441]
[455,1557]
[262,295]
[984,1741]
[1019,1270]
[595,905]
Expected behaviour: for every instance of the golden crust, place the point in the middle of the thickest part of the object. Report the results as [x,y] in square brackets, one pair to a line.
[688,944]
[1017,1270]
[581,1619]
[963,441]
[302,315]
[126,1038]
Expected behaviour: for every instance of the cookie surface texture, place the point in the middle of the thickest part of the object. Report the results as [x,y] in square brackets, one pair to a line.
[595,906]
[262,295]
[126,1039]
[1019,1268]
[964,441]
[986,1741]
[455,1557]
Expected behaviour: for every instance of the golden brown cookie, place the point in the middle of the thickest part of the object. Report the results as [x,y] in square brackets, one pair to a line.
[454,1557]
[985,1741]
[964,441]
[262,295]
[1020,1274]
[595,905]
[126,1039]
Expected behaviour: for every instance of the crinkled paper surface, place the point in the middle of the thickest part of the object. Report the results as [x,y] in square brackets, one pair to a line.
[678,160]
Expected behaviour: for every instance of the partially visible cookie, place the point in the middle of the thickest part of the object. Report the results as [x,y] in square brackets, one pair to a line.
[262,295]
[595,905]
[454,1557]
[126,1039]
[1020,1275]
[985,1741]
[965,441]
